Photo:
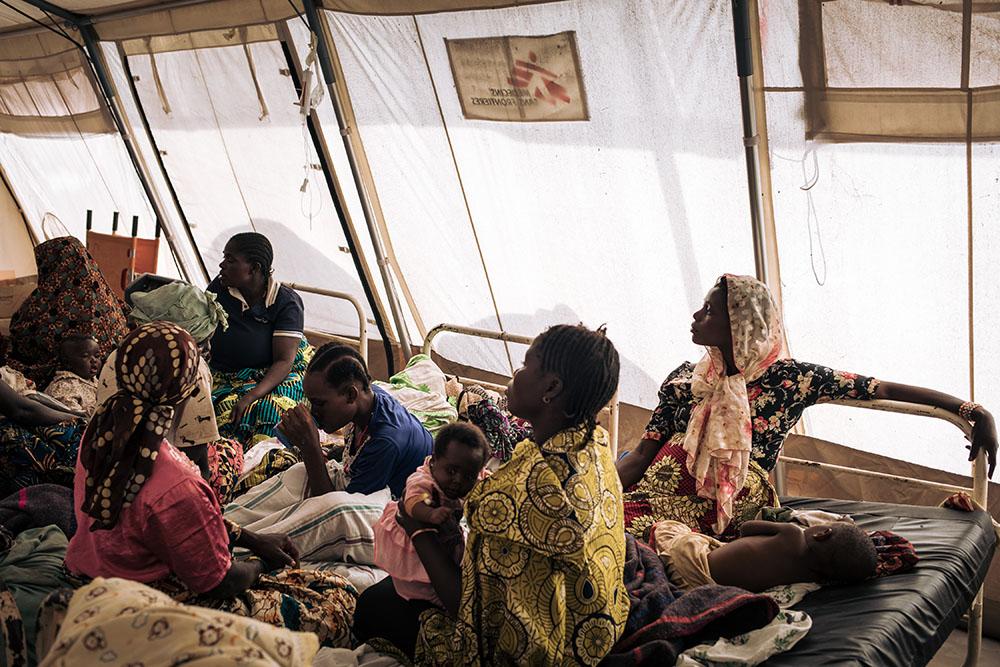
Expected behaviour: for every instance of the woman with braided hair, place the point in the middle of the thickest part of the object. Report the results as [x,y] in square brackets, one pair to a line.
[145,513]
[259,361]
[541,581]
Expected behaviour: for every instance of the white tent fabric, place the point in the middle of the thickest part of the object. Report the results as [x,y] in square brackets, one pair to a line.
[874,235]
[239,161]
[15,245]
[597,222]
[58,179]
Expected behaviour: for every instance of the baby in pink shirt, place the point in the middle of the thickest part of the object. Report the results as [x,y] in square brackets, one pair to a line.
[433,494]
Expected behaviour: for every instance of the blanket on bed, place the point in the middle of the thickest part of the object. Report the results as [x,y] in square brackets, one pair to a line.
[662,622]
[37,506]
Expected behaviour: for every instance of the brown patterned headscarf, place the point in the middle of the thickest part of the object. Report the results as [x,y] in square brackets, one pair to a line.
[72,297]
[157,369]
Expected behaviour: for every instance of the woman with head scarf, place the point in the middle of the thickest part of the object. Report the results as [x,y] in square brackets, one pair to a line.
[72,297]
[720,424]
[144,512]
[197,312]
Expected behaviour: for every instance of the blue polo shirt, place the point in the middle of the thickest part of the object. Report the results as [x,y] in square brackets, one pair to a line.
[247,343]
[397,444]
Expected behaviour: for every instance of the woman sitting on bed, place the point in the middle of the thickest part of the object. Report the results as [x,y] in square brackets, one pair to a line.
[541,582]
[720,424]
[144,513]
[384,445]
[259,360]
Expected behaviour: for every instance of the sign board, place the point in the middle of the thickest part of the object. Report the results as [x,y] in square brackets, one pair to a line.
[519,79]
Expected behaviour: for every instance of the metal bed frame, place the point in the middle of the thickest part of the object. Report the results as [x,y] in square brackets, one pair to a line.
[612,408]
[362,341]
[978,491]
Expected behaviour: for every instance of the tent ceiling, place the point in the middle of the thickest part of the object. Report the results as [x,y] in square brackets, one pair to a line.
[11,20]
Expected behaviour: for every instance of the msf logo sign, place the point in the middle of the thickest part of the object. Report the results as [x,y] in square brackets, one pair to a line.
[537,81]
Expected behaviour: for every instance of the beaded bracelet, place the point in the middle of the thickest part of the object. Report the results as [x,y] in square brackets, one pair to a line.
[966,410]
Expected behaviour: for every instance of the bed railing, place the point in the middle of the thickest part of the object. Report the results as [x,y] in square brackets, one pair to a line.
[362,341]
[979,490]
[612,408]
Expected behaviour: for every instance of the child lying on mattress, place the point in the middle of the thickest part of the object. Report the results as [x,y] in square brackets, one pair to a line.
[766,555]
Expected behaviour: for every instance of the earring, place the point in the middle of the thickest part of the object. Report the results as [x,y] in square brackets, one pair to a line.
[546,400]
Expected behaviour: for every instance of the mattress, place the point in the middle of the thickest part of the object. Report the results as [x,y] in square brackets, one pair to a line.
[901,619]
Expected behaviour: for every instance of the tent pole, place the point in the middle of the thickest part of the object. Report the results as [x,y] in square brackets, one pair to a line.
[326,64]
[751,147]
[339,204]
[751,139]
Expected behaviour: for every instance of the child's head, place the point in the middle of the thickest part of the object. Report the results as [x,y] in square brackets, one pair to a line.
[460,452]
[840,552]
[570,369]
[80,354]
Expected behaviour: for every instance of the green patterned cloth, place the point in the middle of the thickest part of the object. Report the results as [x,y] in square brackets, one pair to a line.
[263,415]
[420,388]
[193,309]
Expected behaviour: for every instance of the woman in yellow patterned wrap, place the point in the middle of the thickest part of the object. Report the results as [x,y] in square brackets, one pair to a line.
[541,581]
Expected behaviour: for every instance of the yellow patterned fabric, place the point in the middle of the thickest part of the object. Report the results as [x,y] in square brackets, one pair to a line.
[121,623]
[542,573]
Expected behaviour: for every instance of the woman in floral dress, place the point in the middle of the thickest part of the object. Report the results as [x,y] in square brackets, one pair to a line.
[720,424]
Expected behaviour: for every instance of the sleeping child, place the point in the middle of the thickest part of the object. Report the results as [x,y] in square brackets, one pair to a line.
[766,554]
[75,383]
[433,494]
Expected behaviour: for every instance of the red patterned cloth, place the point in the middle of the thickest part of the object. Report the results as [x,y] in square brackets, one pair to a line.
[895,553]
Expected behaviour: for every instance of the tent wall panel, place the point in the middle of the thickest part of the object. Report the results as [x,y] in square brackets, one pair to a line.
[57,179]
[542,196]
[986,258]
[240,158]
[16,252]
[419,190]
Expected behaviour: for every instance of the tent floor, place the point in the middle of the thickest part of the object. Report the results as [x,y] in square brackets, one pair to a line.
[952,653]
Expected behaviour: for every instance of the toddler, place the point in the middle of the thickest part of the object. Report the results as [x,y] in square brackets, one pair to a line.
[433,494]
[766,555]
[75,383]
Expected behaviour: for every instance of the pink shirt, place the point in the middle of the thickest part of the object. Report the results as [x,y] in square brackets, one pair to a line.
[174,525]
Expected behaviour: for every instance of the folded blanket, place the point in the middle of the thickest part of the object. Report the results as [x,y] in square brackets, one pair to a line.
[37,506]
[420,388]
[662,622]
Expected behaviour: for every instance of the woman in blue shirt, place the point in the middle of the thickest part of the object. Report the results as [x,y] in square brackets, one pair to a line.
[259,361]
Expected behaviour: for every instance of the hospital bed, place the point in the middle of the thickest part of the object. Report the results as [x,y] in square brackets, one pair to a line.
[902,619]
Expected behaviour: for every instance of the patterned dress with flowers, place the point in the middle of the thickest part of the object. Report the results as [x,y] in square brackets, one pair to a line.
[777,399]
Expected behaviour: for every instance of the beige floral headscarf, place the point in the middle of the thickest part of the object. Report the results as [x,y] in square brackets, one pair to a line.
[719,433]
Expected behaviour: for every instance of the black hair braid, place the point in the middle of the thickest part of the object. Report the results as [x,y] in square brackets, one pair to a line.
[588,364]
[340,363]
[255,248]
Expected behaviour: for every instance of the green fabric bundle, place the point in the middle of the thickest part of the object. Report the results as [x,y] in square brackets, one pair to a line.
[193,309]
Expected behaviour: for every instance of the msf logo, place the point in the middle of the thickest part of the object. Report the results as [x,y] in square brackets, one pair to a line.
[538,81]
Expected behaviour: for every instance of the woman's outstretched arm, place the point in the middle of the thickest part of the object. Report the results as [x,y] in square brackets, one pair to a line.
[984,433]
